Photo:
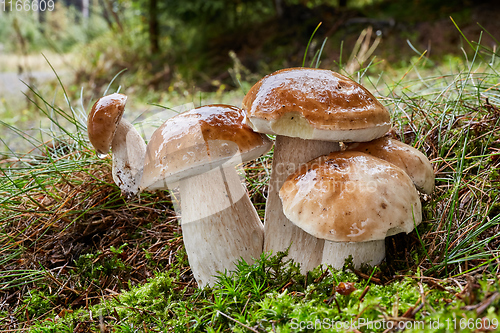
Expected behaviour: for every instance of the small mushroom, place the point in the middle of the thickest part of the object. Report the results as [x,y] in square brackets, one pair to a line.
[309,111]
[411,160]
[199,149]
[108,130]
[353,201]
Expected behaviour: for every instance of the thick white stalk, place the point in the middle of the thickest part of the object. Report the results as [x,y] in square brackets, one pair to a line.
[335,253]
[219,223]
[280,232]
[129,150]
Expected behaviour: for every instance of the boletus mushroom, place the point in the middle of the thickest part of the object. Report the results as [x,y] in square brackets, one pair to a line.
[411,160]
[309,111]
[107,129]
[198,150]
[353,201]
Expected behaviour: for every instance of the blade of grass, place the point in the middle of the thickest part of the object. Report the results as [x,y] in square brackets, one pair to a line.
[309,43]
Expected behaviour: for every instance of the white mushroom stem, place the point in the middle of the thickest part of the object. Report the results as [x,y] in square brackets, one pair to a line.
[128,149]
[280,232]
[219,223]
[335,253]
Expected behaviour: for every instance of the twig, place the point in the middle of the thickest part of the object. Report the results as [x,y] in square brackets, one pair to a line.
[236,321]
[486,303]
[322,276]
[367,277]
[363,294]
[248,300]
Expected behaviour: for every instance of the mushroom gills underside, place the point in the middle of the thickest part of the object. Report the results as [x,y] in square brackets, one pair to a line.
[293,124]
[203,162]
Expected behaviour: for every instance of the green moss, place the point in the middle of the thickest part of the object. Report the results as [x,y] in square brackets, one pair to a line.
[271,295]
[39,302]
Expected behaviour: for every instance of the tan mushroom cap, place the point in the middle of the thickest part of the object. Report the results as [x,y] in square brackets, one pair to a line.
[103,120]
[315,104]
[197,141]
[351,197]
[411,160]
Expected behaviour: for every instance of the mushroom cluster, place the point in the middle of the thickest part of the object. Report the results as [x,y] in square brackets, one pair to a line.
[313,197]
[323,204]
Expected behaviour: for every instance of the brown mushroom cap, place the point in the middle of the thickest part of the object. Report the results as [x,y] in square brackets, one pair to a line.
[411,160]
[351,197]
[315,104]
[103,120]
[197,141]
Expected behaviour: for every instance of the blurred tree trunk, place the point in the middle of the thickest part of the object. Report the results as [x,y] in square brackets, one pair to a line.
[109,13]
[154,28]
[278,6]
[85,9]
[342,3]
[105,14]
